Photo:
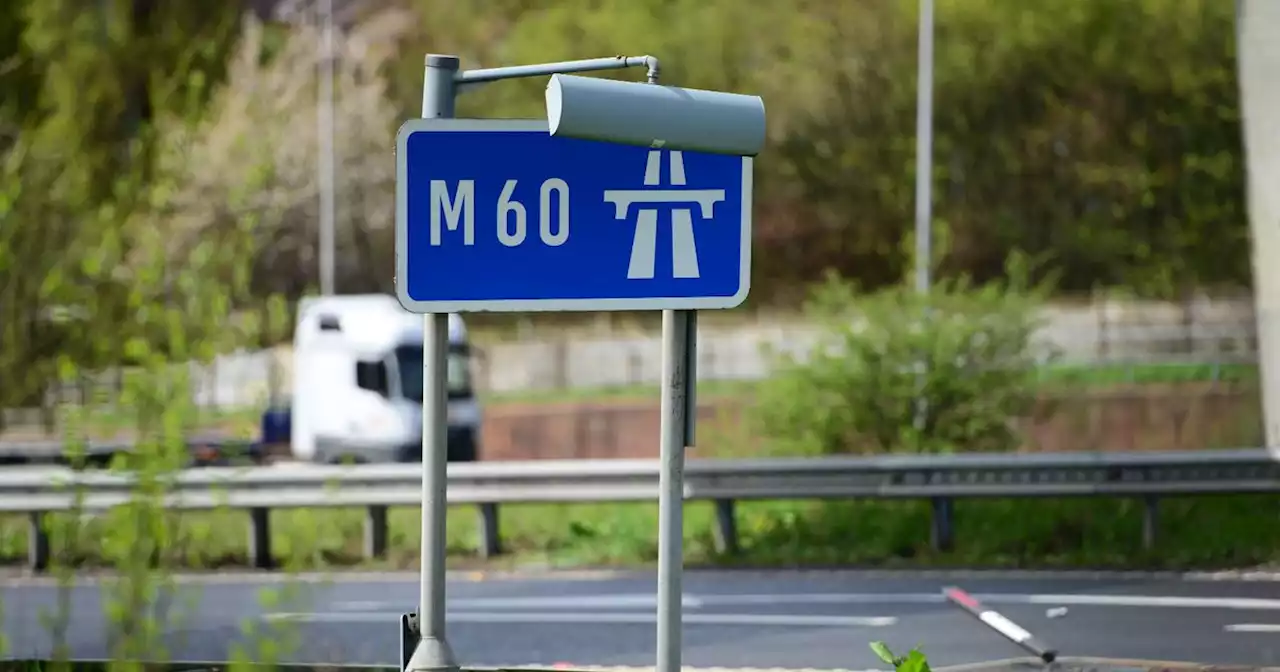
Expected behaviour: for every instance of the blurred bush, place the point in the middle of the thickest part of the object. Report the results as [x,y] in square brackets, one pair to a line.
[965,348]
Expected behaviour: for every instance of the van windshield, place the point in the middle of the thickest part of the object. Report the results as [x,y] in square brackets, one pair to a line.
[409,361]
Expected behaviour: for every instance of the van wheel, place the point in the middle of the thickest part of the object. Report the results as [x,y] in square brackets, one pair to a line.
[347,459]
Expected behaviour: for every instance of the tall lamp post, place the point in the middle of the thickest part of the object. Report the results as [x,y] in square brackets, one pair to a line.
[325,133]
[924,148]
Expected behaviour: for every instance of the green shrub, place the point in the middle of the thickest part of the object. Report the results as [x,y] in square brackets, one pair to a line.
[144,296]
[914,661]
[896,370]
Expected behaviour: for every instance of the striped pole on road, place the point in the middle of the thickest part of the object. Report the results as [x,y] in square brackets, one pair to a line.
[1000,624]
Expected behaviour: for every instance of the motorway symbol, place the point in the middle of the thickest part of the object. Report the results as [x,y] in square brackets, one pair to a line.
[496,215]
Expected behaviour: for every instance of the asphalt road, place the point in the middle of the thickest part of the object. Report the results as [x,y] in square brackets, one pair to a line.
[732,619]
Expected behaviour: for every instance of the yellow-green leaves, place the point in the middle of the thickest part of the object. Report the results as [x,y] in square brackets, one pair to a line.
[1073,130]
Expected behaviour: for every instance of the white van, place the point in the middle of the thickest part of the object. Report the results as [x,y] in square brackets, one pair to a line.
[357,383]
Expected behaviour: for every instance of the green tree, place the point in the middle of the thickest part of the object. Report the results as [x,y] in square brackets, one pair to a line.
[83,92]
[1104,135]
[255,153]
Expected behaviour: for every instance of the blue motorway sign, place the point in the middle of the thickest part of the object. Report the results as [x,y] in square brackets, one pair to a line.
[495,215]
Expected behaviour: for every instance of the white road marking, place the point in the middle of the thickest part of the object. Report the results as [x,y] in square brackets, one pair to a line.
[822,598]
[643,618]
[1141,601]
[1082,599]
[1252,627]
[639,601]
[649,601]
[365,605]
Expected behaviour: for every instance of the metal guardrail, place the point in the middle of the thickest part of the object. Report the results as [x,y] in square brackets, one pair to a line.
[938,478]
[54,451]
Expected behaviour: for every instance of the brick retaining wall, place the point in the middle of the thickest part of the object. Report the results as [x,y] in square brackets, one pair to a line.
[1141,417]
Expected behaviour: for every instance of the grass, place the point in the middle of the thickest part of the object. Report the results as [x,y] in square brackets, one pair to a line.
[1145,374]
[1073,376]
[503,327]
[1201,532]
[113,423]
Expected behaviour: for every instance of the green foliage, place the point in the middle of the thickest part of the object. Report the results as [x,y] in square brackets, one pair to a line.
[143,538]
[914,661]
[1103,134]
[91,276]
[900,371]
[84,95]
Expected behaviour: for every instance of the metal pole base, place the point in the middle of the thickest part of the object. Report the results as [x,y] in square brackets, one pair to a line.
[432,655]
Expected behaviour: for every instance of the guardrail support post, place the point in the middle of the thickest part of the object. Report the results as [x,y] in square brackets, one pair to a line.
[375,532]
[490,541]
[37,542]
[1150,518]
[260,538]
[942,531]
[726,530]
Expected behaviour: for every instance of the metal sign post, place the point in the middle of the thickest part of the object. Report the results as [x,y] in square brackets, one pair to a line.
[563,215]
[432,651]
[679,410]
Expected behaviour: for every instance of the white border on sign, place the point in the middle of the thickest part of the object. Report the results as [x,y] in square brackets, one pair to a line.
[542,305]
